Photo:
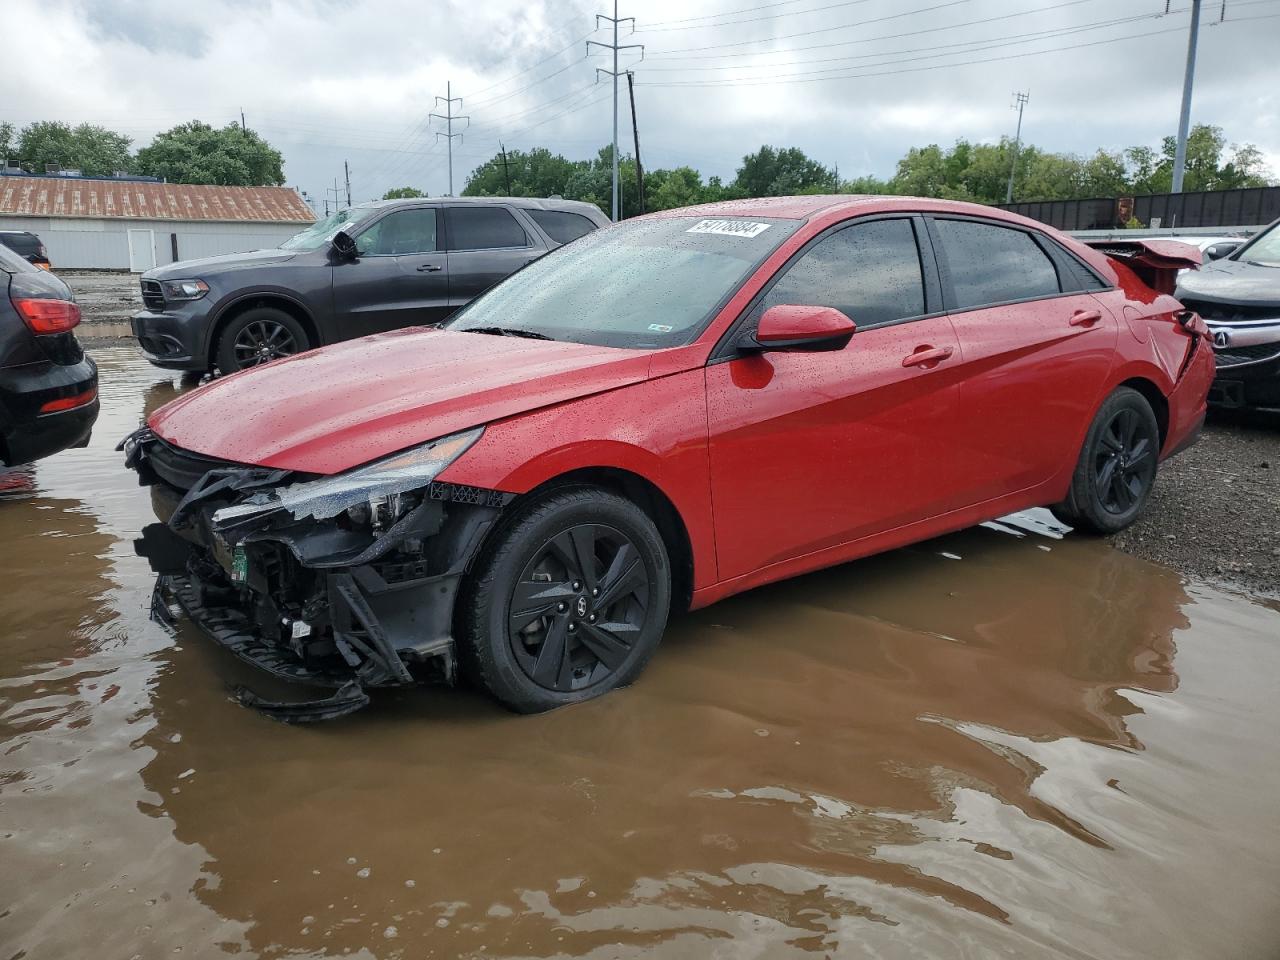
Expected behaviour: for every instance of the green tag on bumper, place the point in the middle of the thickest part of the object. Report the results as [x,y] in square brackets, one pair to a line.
[239,565]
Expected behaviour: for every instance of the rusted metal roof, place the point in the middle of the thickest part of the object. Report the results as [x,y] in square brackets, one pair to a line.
[122,199]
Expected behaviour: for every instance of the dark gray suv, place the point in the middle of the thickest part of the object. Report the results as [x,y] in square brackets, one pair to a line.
[411,262]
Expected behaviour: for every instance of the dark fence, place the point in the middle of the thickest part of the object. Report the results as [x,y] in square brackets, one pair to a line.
[1247,206]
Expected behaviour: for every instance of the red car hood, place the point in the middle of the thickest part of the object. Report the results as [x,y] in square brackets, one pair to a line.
[343,405]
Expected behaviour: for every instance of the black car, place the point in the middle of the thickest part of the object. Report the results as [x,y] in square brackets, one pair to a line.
[1239,298]
[48,387]
[369,268]
[26,245]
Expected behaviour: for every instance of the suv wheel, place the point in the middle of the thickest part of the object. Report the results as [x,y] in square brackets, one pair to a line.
[257,336]
[568,603]
[1117,466]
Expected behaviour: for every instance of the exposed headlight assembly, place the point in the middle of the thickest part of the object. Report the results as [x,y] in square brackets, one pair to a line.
[175,290]
[368,494]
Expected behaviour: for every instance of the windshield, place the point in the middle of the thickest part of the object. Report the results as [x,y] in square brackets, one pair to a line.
[322,231]
[1265,248]
[642,283]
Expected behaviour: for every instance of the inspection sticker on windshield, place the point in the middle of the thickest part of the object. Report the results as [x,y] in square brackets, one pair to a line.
[729,228]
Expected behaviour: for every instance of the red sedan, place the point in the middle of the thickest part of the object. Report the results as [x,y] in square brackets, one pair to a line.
[659,415]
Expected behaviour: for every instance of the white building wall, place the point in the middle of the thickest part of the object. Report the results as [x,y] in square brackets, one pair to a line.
[103,244]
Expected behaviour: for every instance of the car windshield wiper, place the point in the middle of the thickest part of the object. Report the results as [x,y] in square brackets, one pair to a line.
[508,332]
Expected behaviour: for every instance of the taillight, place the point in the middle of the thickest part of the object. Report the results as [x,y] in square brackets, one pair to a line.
[70,403]
[47,316]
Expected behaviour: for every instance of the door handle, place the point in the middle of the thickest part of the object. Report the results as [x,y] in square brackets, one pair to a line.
[926,356]
[1085,318]
[429,268]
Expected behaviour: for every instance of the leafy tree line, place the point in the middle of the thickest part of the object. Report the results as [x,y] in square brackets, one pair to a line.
[965,171]
[192,152]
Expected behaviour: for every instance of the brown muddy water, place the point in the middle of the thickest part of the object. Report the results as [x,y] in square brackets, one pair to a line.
[999,743]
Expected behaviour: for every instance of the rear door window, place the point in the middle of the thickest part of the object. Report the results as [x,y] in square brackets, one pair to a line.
[484,228]
[991,264]
[401,233]
[868,271]
[560,225]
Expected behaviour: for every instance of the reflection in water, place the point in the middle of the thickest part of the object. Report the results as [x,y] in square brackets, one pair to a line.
[1043,748]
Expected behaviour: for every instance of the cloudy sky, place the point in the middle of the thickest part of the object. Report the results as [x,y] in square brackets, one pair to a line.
[853,82]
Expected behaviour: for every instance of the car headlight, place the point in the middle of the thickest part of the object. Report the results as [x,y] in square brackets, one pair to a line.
[184,289]
[364,491]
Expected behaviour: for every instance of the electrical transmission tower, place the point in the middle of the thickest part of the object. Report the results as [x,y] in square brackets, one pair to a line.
[1019,103]
[448,117]
[615,74]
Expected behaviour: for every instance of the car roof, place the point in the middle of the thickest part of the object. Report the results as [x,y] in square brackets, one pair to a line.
[526,203]
[804,207]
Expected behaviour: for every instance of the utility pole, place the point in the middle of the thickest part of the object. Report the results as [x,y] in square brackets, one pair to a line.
[506,174]
[346,172]
[448,117]
[244,131]
[337,196]
[635,133]
[1019,103]
[1184,118]
[615,74]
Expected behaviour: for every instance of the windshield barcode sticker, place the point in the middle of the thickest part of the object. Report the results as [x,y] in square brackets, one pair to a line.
[729,228]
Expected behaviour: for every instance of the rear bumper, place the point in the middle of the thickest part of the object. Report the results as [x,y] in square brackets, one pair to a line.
[25,433]
[172,340]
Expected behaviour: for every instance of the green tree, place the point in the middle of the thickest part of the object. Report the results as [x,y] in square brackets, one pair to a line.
[196,152]
[772,172]
[866,184]
[94,151]
[667,189]
[534,173]
[403,193]
[8,143]
[922,173]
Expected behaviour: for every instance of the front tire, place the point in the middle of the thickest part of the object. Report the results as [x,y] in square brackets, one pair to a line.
[1117,466]
[258,336]
[568,602]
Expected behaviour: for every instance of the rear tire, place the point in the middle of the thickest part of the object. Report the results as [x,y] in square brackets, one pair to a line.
[257,336]
[1117,466]
[568,602]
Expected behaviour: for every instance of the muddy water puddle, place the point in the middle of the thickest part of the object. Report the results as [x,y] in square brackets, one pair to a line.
[999,743]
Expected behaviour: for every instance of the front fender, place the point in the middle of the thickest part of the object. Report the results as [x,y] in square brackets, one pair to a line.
[656,430]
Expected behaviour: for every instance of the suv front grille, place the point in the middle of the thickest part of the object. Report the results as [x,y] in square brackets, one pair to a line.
[152,295]
[1231,312]
[1234,356]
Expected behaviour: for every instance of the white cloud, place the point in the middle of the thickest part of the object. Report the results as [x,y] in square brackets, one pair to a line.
[328,81]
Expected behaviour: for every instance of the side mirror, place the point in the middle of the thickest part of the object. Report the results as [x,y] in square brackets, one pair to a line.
[1220,250]
[344,245]
[799,328]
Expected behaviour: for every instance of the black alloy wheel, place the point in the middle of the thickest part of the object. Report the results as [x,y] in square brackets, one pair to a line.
[578,607]
[257,336]
[1116,470]
[263,341]
[567,601]
[1124,462]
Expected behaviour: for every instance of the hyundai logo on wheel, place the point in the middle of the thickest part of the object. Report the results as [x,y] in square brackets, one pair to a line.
[582,606]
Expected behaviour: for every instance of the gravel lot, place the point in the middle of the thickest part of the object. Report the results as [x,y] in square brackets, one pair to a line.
[1215,512]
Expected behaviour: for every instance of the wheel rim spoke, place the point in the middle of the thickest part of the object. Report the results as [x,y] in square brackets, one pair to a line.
[532,600]
[625,575]
[604,645]
[552,667]
[1107,474]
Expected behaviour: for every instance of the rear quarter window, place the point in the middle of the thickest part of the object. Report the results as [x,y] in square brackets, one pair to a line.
[483,228]
[23,243]
[560,225]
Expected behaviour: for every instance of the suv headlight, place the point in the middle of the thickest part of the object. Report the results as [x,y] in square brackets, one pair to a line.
[361,491]
[183,289]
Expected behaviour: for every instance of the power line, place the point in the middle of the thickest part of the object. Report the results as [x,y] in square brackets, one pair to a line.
[772,16]
[764,81]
